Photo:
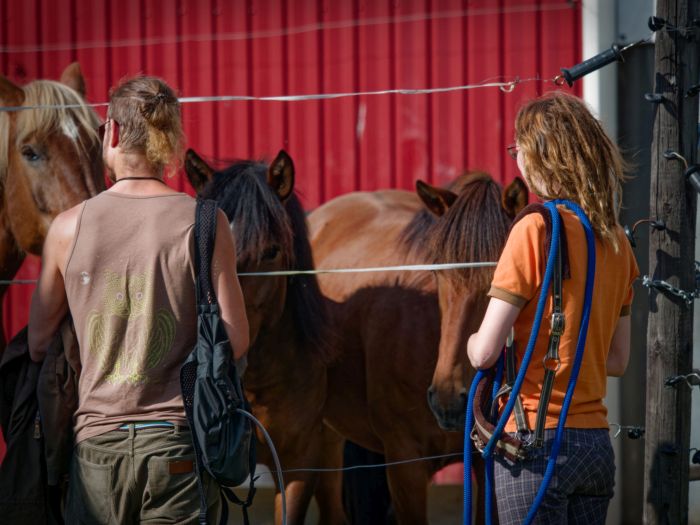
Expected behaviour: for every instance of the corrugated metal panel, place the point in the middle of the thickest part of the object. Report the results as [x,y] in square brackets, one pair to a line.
[276,47]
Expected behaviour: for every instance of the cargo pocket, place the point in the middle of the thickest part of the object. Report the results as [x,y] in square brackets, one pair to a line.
[171,490]
[89,493]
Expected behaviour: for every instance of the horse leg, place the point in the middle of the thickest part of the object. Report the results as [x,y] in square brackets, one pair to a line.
[408,485]
[329,486]
[297,452]
[299,488]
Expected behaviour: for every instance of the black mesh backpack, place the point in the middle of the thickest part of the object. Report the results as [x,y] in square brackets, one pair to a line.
[211,389]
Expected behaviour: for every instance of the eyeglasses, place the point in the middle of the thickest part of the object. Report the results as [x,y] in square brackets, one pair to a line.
[513,150]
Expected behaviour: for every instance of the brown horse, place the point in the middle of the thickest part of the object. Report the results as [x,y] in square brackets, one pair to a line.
[50,160]
[389,324]
[285,380]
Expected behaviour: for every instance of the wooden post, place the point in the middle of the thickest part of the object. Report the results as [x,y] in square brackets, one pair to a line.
[671,259]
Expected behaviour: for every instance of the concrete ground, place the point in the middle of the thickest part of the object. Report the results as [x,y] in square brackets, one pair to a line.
[444,507]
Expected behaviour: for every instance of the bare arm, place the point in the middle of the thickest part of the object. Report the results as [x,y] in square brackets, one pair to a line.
[619,353]
[49,302]
[486,345]
[227,288]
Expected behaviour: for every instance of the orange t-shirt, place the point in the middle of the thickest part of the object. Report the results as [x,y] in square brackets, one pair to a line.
[518,280]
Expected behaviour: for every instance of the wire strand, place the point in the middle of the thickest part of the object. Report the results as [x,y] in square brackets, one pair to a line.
[616,426]
[505,86]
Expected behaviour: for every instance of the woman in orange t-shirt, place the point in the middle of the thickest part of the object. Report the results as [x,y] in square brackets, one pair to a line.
[563,153]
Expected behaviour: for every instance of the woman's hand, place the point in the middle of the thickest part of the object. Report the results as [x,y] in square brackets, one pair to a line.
[485,346]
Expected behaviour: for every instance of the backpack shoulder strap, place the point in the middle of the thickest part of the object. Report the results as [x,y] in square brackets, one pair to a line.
[204,239]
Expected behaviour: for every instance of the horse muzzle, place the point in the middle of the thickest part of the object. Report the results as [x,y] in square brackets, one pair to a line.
[451,416]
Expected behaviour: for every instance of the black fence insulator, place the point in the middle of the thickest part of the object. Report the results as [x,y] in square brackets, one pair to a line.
[692,175]
[656,23]
[695,460]
[692,91]
[592,64]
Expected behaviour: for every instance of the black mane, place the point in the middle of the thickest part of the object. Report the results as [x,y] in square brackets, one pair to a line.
[259,219]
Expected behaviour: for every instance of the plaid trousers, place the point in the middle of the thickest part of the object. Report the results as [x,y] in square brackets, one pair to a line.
[579,491]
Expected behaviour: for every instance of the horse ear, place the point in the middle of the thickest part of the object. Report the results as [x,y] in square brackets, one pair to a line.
[72,77]
[198,172]
[280,175]
[10,94]
[437,200]
[515,197]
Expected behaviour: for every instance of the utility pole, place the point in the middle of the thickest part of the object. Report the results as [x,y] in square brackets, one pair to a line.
[671,259]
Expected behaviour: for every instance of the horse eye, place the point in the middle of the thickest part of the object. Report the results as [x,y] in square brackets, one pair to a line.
[271,252]
[30,154]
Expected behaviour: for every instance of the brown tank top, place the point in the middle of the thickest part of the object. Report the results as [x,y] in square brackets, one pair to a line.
[130,287]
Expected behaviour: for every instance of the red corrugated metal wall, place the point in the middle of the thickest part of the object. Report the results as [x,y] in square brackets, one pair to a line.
[277,47]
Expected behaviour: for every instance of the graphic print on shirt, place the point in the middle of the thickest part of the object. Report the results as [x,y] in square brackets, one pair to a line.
[129,301]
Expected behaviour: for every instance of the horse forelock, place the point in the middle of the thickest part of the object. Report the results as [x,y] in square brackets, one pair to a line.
[473,229]
[73,118]
[259,219]
[256,214]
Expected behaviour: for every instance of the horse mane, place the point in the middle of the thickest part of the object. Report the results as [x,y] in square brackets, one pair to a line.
[304,294]
[254,211]
[74,118]
[259,219]
[473,229]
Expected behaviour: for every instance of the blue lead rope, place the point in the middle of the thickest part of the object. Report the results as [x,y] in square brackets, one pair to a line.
[581,343]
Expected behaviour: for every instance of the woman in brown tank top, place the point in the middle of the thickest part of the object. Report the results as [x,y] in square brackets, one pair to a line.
[121,263]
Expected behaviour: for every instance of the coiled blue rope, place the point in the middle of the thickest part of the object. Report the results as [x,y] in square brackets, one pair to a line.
[580,345]
[468,424]
[488,450]
[488,461]
[537,321]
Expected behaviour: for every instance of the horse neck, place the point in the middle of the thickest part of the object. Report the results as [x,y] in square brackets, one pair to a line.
[278,354]
[11,256]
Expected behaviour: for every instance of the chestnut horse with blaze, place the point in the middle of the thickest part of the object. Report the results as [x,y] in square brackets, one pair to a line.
[50,161]
[401,334]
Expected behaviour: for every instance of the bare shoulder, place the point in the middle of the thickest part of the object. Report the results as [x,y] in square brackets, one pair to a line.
[60,237]
[221,219]
[222,223]
[64,225]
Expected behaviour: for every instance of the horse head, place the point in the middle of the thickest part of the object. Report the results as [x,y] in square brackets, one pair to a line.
[471,222]
[253,196]
[50,155]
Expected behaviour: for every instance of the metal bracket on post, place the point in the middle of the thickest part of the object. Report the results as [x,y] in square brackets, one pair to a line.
[692,379]
[663,286]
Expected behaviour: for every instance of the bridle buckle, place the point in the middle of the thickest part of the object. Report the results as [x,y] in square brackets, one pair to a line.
[558,323]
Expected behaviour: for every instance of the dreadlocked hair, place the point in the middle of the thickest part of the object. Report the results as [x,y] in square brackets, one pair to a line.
[568,155]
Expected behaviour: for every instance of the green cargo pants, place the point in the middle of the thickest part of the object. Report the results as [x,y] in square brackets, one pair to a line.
[138,476]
